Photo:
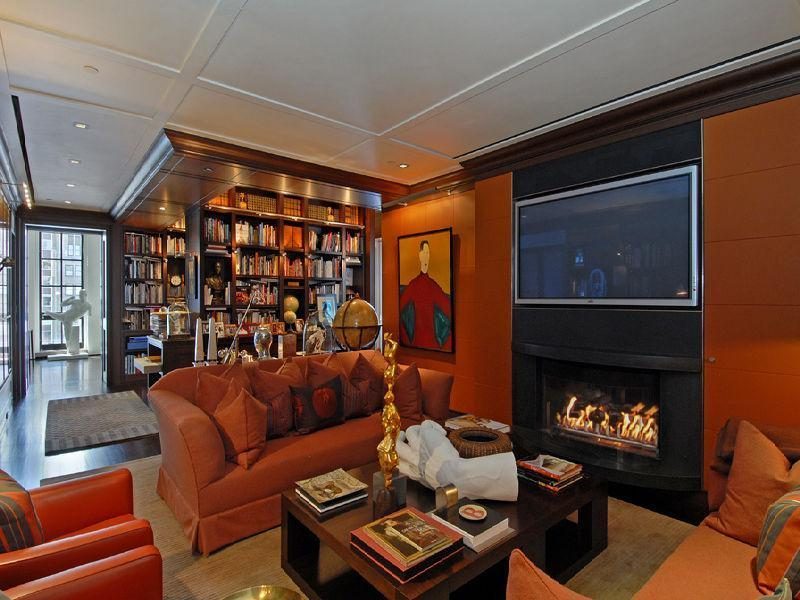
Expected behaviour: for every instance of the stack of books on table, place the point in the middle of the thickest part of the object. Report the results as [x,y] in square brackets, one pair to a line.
[331,492]
[406,543]
[469,420]
[477,535]
[552,473]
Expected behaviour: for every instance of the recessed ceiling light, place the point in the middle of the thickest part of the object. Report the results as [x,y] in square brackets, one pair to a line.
[67,201]
[91,69]
[161,208]
[403,165]
[70,185]
[74,161]
[80,125]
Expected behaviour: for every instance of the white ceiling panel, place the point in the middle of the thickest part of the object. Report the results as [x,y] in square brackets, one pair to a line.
[259,125]
[674,41]
[375,64]
[105,149]
[155,30]
[382,158]
[43,63]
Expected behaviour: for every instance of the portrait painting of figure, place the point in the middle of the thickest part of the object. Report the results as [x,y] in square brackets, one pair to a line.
[426,290]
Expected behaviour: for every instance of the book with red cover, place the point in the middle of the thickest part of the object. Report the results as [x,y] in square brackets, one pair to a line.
[550,466]
[399,575]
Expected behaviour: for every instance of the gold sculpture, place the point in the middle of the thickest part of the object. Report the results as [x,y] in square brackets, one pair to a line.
[390,418]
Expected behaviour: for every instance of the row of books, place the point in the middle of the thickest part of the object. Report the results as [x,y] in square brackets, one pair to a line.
[220,316]
[137,318]
[216,230]
[142,243]
[261,234]
[322,212]
[322,288]
[324,242]
[292,267]
[143,293]
[268,293]
[328,268]
[354,243]
[176,246]
[255,264]
[142,268]
[549,472]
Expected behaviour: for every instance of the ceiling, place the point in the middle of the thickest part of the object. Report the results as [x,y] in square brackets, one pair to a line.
[359,85]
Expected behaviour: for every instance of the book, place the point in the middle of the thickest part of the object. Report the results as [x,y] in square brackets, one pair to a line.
[324,509]
[406,543]
[470,420]
[474,533]
[330,488]
[550,466]
[548,484]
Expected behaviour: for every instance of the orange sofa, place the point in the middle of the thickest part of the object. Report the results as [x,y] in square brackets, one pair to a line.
[93,545]
[219,502]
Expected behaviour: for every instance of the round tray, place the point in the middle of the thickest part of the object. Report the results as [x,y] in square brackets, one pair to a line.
[472,442]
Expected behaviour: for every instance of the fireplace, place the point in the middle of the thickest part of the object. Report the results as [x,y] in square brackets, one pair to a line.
[611,407]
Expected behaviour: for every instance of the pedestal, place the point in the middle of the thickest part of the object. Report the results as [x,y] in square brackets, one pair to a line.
[386,501]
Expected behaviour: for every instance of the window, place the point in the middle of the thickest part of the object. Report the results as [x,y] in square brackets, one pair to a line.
[61,277]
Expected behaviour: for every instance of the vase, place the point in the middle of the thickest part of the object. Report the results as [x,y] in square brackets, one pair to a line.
[262,340]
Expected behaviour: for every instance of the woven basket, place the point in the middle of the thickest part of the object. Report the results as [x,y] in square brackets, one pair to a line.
[472,442]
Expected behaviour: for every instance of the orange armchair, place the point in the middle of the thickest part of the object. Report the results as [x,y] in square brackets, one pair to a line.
[91,538]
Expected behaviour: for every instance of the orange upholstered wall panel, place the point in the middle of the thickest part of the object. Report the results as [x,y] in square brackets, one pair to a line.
[481,362]
[751,163]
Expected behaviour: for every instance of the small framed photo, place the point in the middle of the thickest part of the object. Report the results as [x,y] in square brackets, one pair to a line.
[219,327]
[326,307]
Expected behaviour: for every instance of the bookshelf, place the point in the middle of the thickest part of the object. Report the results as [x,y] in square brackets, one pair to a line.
[282,245]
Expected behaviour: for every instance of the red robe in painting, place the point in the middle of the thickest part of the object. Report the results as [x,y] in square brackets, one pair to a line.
[427,299]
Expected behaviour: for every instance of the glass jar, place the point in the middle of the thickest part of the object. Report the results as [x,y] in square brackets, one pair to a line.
[177,320]
[262,340]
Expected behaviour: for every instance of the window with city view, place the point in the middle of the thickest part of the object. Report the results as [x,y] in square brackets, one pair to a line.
[61,276]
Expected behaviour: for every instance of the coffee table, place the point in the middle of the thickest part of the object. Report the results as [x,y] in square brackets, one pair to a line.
[560,533]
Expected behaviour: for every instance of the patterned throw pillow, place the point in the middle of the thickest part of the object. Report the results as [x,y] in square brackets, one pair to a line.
[273,390]
[318,407]
[354,396]
[364,370]
[19,525]
[778,554]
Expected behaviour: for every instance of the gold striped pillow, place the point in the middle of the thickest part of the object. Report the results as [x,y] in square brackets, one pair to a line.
[778,554]
[19,525]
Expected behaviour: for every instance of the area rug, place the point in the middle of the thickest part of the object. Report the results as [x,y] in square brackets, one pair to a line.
[88,421]
[638,542]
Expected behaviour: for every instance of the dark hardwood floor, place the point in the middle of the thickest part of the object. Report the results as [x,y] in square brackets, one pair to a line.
[22,442]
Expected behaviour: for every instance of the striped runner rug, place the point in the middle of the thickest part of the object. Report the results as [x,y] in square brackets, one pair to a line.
[76,423]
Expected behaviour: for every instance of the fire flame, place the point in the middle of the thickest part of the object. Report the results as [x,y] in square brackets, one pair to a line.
[638,425]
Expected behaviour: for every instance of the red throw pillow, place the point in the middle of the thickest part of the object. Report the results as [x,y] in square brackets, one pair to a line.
[319,406]
[408,393]
[19,525]
[242,422]
[760,474]
[363,370]
[354,397]
[213,389]
[238,373]
[273,390]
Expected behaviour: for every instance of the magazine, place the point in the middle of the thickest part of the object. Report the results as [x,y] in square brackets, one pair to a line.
[470,420]
[550,466]
[328,488]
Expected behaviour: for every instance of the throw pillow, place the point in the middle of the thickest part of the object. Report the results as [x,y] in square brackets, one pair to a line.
[408,393]
[318,407]
[778,556]
[273,390]
[526,581]
[213,389]
[760,474]
[238,373]
[19,525]
[355,397]
[242,421]
[782,592]
[363,370]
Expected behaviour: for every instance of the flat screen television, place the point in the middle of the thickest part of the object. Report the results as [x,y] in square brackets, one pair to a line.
[628,242]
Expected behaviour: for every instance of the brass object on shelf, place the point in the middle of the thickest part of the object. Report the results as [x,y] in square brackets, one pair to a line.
[264,592]
[390,418]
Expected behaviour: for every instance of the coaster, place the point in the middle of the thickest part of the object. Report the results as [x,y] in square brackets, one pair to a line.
[472,512]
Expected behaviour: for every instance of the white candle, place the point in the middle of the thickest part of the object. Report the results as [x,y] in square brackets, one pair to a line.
[198,341]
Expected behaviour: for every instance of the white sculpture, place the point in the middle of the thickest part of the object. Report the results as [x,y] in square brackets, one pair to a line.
[427,456]
[74,308]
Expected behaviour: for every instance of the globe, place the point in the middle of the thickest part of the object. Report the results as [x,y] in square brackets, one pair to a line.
[291,303]
[290,317]
[356,324]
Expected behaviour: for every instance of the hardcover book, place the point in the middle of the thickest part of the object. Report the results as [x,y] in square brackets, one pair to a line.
[330,488]
[474,533]
[550,466]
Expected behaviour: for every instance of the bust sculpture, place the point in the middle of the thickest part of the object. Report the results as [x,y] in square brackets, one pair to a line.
[216,284]
[73,309]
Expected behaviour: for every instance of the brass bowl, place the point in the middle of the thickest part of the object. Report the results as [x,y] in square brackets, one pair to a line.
[264,592]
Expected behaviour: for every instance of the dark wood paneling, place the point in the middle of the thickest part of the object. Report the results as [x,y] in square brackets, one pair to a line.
[769,80]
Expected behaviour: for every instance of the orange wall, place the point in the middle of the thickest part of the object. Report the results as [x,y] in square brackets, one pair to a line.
[751,163]
[481,274]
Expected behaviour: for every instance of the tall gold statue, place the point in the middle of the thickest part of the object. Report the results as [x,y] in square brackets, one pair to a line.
[390,418]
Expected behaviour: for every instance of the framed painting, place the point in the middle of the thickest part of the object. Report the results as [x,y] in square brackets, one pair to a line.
[326,307]
[425,273]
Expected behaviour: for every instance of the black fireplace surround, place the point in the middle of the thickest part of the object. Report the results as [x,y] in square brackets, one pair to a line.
[616,361]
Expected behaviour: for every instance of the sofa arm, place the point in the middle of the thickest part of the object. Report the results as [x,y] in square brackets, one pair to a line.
[79,503]
[53,557]
[191,447]
[131,575]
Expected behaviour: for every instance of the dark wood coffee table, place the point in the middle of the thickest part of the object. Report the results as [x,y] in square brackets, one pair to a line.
[560,533]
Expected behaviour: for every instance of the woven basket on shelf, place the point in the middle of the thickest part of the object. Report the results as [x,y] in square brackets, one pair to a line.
[472,442]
